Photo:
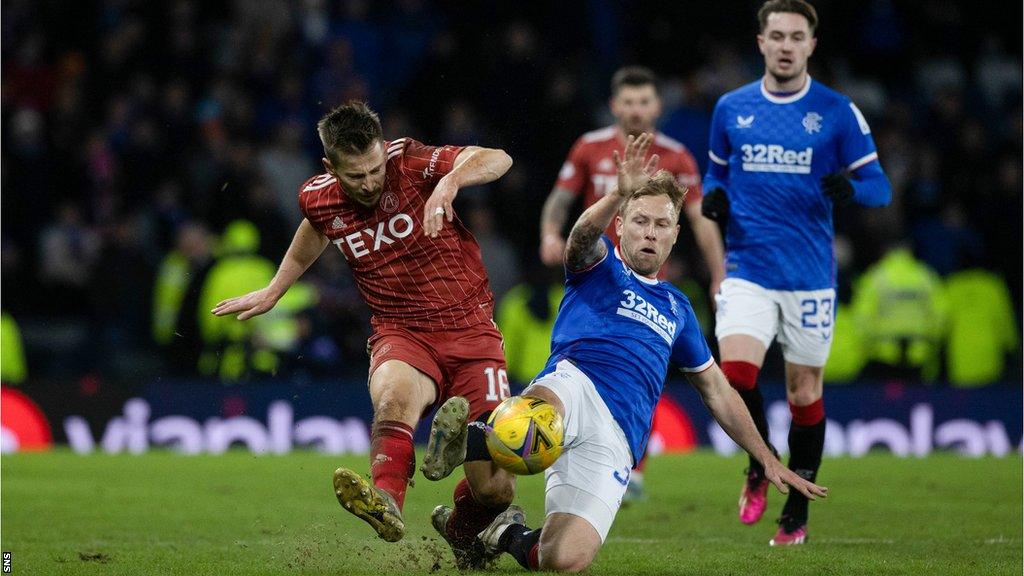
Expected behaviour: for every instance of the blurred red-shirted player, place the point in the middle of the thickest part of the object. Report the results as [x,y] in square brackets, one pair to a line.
[590,167]
[590,170]
[387,206]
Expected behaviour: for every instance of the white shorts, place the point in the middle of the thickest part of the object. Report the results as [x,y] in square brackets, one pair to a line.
[802,319]
[590,477]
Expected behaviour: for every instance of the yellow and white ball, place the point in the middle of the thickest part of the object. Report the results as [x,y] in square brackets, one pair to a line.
[525,435]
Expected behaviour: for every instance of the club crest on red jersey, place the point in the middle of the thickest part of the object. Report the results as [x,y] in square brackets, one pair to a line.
[383,350]
[389,202]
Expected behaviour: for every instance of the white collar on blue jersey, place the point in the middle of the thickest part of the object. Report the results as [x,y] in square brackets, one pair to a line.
[786,99]
[644,279]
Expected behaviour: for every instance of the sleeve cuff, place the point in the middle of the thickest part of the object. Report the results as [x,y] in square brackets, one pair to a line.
[701,368]
[862,161]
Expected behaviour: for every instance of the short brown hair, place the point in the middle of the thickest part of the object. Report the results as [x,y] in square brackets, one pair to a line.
[662,184]
[800,7]
[633,76]
[349,128]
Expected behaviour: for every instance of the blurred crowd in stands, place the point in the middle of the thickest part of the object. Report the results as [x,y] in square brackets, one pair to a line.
[152,153]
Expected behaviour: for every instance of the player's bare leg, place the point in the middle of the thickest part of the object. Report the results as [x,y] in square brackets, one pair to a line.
[742,357]
[566,543]
[399,393]
[806,443]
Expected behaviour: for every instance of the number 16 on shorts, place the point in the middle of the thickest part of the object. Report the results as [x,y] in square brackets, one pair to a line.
[497,384]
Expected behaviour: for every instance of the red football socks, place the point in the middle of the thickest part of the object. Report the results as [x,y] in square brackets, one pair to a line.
[534,557]
[392,458]
[469,517]
[741,375]
[808,415]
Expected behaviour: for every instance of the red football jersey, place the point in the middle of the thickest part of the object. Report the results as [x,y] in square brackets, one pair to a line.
[408,280]
[590,167]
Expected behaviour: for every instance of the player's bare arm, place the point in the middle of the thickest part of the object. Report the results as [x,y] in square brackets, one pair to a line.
[728,409]
[307,245]
[552,219]
[584,246]
[709,241]
[473,166]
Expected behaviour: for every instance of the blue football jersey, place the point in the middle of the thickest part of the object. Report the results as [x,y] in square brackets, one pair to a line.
[775,151]
[622,329]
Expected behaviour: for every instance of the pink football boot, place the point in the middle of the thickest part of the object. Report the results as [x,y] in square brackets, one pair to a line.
[754,497]
[791,532]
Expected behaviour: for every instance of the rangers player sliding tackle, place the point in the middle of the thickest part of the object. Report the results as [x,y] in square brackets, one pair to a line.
[617,330]
[589,170]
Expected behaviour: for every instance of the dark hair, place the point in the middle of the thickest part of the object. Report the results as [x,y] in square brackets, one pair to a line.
[633,76]
[661,184]
[349,128]
[800,7]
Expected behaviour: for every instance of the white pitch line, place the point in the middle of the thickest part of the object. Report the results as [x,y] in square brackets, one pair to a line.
[855,540]
[627,540]
[1002,540]
[837,541]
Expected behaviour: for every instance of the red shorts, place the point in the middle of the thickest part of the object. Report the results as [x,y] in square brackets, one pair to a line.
[469,362]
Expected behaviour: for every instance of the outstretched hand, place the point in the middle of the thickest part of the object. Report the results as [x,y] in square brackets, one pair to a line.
[634,172]
[783,478]
[247,306]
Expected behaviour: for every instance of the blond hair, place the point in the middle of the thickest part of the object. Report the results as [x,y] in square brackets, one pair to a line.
[661,184]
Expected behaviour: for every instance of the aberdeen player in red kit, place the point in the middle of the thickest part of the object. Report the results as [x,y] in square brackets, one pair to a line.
[387,206]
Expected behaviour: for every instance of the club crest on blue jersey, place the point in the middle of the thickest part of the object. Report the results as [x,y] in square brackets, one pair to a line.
[812,122]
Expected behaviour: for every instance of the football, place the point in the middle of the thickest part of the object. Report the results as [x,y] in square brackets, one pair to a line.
[525,435]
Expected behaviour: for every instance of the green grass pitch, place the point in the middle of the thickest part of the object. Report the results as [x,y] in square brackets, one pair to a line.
[162,513]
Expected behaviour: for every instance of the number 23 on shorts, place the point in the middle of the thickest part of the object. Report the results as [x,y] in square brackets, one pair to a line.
[815,313]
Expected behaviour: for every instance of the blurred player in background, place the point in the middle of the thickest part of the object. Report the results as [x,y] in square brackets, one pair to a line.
[617,330]
[387,207]
[784,151]
[590,170]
